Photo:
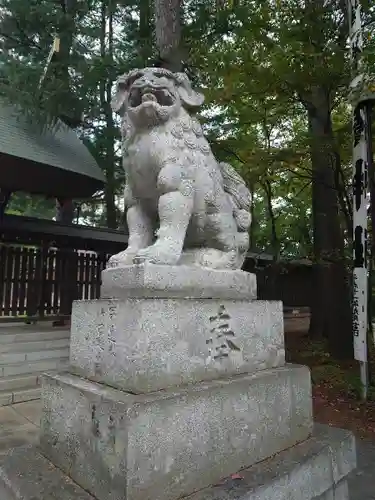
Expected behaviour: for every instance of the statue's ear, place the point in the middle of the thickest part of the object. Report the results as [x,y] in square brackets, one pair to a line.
[189,97]
[118,102]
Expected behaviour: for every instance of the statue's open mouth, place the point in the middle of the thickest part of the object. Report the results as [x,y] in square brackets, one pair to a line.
[144,95]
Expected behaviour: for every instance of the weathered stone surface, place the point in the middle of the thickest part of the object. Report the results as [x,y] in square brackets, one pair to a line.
[337,492]
[183,206]
[149,280]
[143,345]
[162,445]
[305,472]
[26,475]
[5,494]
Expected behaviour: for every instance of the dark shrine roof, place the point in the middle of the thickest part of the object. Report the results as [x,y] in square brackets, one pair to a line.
[53,162]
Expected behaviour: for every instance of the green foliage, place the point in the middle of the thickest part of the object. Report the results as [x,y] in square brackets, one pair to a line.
[31,206]
[79,81]
[256,61]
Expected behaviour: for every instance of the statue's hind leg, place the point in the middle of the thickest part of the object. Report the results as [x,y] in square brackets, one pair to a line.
[221,231]
[219,250]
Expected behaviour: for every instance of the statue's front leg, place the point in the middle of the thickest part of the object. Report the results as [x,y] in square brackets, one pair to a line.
[140,235]
[175,209]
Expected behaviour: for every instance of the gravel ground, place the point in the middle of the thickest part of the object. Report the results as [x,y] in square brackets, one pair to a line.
[362,480]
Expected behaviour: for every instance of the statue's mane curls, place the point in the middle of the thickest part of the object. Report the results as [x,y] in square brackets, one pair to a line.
[189,97]
[128,78]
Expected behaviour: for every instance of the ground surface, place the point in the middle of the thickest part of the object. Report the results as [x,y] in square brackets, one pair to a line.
[336,402]
[336,387]
[19,424]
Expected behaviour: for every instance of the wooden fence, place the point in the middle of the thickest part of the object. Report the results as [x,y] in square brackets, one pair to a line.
[40,281]
[44,281]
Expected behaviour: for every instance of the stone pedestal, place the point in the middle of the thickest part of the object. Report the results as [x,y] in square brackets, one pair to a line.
[178,379]
[166,444]
[144,345]
[148,280]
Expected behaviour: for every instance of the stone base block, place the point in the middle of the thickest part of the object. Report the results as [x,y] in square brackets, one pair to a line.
[150,280]
[338,491]
[313,470]
[144,345]
[163,445]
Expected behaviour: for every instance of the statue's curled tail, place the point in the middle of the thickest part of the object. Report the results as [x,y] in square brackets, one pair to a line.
[239,195]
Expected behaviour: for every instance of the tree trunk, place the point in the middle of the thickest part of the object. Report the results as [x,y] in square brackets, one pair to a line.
[69,108]
[64,211]
[344,197]
[331,306]
[252,213]
[105,98]
[168,33]
[145,32]
[275,243]
[66,30]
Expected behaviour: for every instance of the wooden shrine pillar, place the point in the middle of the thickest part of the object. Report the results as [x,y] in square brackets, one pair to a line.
[69,263]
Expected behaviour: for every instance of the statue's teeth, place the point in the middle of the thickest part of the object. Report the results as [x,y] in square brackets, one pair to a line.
[148,97]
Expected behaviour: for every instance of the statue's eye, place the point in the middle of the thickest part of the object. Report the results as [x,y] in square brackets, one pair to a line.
[135,77]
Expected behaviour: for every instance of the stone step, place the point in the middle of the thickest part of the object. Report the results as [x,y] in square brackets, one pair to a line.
[313,470]
[37,345]
[23,395]
[19,395]
[32,367]
[14,383]
[24,356]
[19,357]
[31,336]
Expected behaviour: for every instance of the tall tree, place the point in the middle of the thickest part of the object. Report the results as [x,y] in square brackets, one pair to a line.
[298,55]
[168,33]
[331,307]
[105,89]
[145,32]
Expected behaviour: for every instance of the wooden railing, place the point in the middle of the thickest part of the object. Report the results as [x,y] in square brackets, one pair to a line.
[44,281]
[41,282]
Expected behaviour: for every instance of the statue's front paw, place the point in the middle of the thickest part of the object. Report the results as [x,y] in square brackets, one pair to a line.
[124,258]
[159,253]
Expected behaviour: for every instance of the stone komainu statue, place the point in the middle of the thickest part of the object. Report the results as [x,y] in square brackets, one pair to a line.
[183,207]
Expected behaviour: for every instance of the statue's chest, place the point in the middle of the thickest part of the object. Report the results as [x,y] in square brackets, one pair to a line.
[143,165]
